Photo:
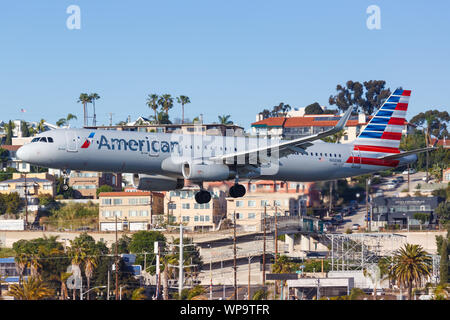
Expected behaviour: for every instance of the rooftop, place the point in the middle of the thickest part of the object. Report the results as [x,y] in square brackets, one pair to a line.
[310,121]
[129,194]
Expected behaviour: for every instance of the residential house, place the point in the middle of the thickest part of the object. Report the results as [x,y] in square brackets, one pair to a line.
[135,210]
[85,183]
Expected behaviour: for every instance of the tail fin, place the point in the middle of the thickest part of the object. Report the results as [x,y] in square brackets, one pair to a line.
[384,131]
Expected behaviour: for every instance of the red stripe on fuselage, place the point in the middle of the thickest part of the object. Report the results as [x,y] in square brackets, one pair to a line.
[391,135]
[406,93]
[376,149]
[373,161]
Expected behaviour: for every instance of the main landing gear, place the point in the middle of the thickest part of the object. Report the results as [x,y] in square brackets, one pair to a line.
[203,196]
[237,191]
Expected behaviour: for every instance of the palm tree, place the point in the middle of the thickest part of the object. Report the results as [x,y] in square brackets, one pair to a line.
[41,126]
[94,96]
[71,117]
[90,263]
[411,266]
[21,261]
[61,122]
[84,99]
[225,119]
[139,294]
[77,254]
[166,102]
[35,265]
[152,103]
[32,289]
[183,100]
[63,279]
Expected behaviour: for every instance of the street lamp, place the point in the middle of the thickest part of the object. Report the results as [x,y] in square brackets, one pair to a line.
[116,258]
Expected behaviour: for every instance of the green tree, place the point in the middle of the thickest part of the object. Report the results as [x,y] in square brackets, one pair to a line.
[9,132]
[225,119]
[314,108]
[41,126]
[61,122]
[94,96]
[183,100]
[411,265]
[31,289]
[435,122]
[367,95]
[443,212]
[4,157]
[152,103]
[143,242]
[25,129]
[139,294]
[104,188]
[166,103]
[84,99]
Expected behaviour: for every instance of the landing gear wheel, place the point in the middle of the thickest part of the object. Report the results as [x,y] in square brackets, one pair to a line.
[237,191]
[203,196]
[65,187]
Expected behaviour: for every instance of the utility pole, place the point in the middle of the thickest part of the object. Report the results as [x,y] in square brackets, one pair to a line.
[210,276]
[408,180]
[249,268]
[180,263]
[331,199]
[234,253]
[318,289]
[107,293]
[110,118]
[26,202]
[117,265]
[158,271]
[367,204]
[264,246]
[276,233]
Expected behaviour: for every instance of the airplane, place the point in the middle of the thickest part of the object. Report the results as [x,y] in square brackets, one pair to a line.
[163,161]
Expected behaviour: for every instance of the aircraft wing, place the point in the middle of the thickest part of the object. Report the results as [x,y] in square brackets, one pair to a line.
[286,147]
[406,153]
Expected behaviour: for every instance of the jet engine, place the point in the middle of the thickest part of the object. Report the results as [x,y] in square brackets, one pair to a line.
[205,171]
[156,182]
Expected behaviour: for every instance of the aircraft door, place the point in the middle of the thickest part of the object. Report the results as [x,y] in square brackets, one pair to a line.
[155,147]
[71,141]
[356,158]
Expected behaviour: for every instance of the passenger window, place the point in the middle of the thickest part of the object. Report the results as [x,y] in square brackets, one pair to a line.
[321,154]
[43,139]
[335,155]
[339,155]
[316,154]
[50,139]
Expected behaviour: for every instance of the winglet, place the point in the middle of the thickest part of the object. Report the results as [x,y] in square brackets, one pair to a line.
[341,124]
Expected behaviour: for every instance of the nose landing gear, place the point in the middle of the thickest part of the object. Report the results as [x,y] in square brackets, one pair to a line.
[65,185]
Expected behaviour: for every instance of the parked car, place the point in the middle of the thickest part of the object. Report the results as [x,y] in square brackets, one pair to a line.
[391,186]
[411,171]
[355,226]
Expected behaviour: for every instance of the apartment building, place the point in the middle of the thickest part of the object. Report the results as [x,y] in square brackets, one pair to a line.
[143,124]
[276,197]
[182,208]
[35,184]
[135,210]
[85,183]
[13,161]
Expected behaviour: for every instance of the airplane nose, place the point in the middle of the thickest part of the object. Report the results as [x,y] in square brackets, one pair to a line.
[22,154]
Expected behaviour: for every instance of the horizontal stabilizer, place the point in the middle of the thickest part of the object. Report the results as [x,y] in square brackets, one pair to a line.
[406,153]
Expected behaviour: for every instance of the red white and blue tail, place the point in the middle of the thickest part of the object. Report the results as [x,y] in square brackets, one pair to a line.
[382,134]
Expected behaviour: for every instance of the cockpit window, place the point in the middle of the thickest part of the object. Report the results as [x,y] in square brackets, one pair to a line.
[35,139]
[43,139]
[50,139]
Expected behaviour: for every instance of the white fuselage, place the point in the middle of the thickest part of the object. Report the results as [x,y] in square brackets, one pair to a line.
[161,153]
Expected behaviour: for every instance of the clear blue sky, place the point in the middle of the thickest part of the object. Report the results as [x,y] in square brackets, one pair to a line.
[229,57]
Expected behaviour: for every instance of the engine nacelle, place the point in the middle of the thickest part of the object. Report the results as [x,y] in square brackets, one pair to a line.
[205,172]
[156,182]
